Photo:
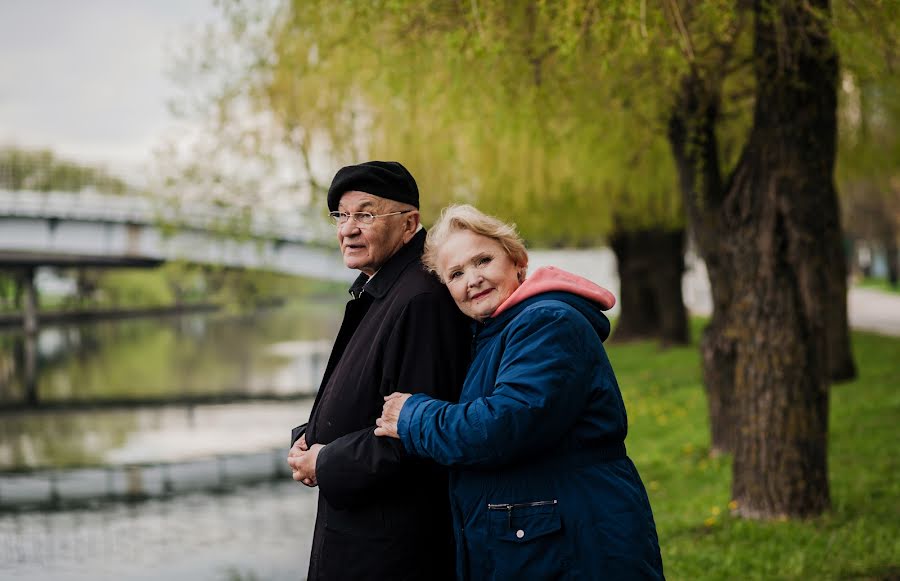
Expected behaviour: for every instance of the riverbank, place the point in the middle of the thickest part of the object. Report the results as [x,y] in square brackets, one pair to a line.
[105,314]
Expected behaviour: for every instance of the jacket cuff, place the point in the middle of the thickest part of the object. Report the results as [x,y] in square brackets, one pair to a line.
[410,419]
[296,433]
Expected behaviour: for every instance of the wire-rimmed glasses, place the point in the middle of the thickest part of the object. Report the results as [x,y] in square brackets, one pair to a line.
[365,218]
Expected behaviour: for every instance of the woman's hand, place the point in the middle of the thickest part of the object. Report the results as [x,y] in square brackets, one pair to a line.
[390,414]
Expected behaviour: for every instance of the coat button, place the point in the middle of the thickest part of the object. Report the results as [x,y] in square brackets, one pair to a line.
[520,533]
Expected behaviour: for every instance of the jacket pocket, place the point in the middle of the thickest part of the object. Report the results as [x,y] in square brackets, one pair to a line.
[527,541]
[522,522]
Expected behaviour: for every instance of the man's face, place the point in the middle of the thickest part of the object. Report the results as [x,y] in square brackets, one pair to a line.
[366,247]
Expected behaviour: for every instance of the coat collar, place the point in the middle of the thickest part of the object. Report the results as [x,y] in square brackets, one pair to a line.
[494,325]
[389,272]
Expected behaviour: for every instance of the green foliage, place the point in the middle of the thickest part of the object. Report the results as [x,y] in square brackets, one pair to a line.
[134,288]
[42,171]
[552,114]
[881,284]
[178,284]
[510,106]
[690,491]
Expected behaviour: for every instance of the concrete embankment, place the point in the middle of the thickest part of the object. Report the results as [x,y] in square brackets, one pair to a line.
[44,489]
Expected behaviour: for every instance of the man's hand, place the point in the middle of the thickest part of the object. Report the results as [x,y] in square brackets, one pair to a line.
[390,414]
[302,461]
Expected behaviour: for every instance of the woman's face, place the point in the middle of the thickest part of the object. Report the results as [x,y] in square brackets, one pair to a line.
[478,272]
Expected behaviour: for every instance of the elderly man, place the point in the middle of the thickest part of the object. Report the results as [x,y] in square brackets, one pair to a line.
[381,513]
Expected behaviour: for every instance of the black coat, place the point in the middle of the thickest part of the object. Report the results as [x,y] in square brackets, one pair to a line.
[383,514]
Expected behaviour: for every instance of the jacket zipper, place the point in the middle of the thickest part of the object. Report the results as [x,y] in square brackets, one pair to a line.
[509,507]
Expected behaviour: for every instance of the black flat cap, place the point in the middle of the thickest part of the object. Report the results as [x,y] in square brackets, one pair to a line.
[385,179]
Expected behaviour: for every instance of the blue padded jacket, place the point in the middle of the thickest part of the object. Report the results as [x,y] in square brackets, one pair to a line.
[540,487]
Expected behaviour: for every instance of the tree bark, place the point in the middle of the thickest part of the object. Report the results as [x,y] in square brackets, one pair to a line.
[780,223]
[651,266]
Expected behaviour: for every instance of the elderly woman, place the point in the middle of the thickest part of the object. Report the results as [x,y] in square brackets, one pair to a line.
[541,487]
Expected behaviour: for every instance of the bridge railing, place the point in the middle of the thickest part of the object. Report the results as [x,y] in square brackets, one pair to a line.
[90,205]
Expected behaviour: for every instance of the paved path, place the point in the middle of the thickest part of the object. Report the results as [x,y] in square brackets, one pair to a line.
[873,310]
[868,309]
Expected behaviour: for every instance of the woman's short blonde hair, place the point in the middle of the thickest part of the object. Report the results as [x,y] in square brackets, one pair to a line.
[459,217]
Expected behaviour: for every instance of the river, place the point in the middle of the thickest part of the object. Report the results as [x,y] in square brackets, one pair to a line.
[176,484]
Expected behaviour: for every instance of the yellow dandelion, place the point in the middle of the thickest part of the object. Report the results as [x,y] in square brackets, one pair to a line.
[715,511]
[733,505]
[654,485]
[710,521]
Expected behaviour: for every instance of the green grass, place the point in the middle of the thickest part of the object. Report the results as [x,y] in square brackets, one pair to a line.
[881,284]
[690,491]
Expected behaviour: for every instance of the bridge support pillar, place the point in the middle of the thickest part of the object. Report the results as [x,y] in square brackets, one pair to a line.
[30,325]
[29,301]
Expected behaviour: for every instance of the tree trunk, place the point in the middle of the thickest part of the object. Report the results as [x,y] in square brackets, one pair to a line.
[841,366]
[695,150]
[893,258]
[768,240]
[651,266]
[778,213]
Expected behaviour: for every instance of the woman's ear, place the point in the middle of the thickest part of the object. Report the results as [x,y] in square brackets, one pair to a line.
[521,272]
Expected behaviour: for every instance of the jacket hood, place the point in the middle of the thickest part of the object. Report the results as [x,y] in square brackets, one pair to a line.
[551,283]
[549,278]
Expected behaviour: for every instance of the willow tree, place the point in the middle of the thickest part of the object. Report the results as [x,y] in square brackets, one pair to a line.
[498,109]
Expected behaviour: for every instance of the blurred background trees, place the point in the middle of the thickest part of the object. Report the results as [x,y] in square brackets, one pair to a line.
[43,171]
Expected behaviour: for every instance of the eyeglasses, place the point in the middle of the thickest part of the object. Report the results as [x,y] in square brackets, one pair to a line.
[360,217]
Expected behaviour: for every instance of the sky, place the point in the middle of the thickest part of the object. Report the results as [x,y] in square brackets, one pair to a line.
[88,79]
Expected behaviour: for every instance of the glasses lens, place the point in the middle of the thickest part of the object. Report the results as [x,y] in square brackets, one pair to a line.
[364,217]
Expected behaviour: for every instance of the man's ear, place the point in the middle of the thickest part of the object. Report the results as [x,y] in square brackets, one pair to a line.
[410,225]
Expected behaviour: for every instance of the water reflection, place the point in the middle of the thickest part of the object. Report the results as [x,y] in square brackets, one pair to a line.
[258,532]
[61,440]
[168,357]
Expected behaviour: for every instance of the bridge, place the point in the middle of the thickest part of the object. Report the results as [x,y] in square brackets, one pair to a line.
[88,228]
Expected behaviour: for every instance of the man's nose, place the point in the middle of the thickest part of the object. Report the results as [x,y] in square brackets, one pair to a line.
[348,228]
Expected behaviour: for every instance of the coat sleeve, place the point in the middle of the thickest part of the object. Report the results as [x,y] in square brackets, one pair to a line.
[543,384]
[427,352]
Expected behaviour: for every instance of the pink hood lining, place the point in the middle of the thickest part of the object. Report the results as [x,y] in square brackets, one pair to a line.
[550,278]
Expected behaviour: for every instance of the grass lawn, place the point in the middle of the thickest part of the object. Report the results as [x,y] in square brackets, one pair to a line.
[690,491]
[878,284]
